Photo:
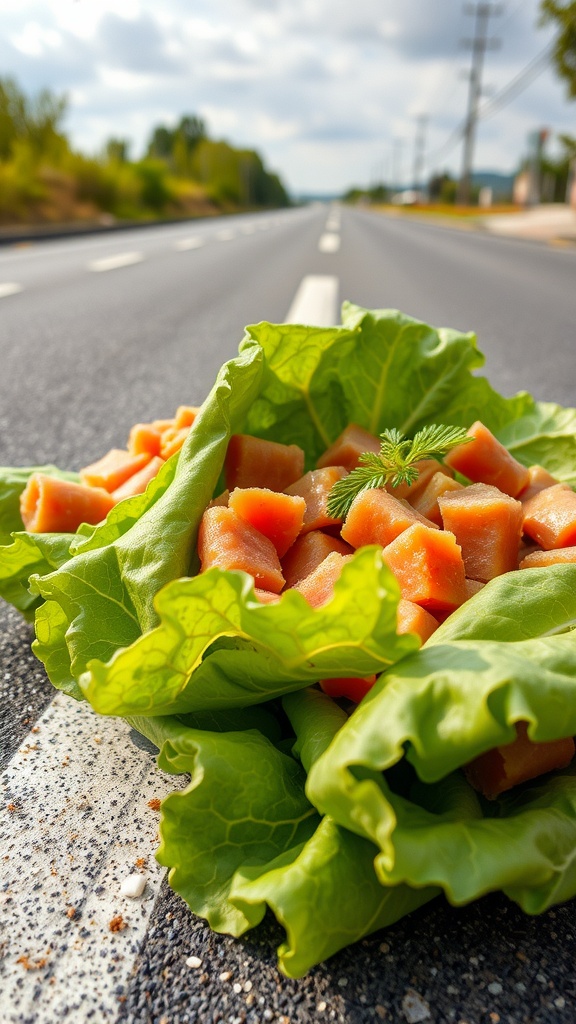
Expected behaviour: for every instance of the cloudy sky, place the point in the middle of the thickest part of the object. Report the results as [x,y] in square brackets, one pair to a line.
[327,90]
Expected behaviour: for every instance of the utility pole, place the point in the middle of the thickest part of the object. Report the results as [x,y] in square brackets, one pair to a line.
[479,44]
[419,150]
[397,182]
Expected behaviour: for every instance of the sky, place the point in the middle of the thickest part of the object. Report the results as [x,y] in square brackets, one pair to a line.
[328,91]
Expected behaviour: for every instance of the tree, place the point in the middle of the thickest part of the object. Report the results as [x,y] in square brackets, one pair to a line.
[36,121]
[160,145]
[564,51]
[192,129]
[176,145]
[117,150]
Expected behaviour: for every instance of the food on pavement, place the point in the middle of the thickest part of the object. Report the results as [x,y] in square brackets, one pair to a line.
[454,773]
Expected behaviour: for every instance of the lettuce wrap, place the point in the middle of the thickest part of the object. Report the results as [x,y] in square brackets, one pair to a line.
[291,801]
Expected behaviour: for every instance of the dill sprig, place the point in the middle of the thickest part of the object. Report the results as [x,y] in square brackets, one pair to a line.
[394,464]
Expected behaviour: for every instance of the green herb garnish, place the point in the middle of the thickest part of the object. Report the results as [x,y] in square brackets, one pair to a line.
[395,463]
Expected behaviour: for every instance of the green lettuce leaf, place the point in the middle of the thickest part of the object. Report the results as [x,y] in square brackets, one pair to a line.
[106,590]
[242,836]
[442,708]
[406,374]
[268,650]
[27,554]
[384,370]
[544,435]
[516,606]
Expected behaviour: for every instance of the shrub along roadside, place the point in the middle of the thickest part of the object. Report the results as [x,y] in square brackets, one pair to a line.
[183,173]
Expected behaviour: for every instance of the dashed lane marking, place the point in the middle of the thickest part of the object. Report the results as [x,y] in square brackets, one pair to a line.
[315,302]
[9,288]
[121,259]
[329,242]
[184,244]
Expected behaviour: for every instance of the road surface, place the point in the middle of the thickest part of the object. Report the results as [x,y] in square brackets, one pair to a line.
[97,333]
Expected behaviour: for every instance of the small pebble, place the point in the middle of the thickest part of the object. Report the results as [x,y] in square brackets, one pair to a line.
[225,976]
[495,988]
[321,1007]
[237,988]
[193,961]
[415,1008]
[560,1002]
[133,886]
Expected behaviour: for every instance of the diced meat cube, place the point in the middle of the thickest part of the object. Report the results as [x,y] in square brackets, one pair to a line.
[347,448]
[426,501]
[278,516]
[556,556]
[307,552]
[550,517]
[254,462]
[315,488]
[428,565]
[504,767]
[376,517]
[485,460]
[318,587]
[226,541]
[487,525]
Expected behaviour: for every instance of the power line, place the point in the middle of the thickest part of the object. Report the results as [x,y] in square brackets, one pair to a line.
[522,80]
[507,94]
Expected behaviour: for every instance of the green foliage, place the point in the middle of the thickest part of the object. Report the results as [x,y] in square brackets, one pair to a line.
[156,193]
[564,52]
[176,145]
[42,178]
[235,176]
[117,150]
[36,120]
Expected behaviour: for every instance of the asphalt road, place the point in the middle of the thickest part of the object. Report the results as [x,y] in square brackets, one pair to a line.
[99,332]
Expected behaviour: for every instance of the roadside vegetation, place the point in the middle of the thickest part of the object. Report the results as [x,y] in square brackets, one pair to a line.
[183,172]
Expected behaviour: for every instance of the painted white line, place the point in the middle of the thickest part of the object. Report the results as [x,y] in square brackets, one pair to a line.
[122,259]
[183,244]
[9,288]
[315,302]
[75,822]
[248,229]
[225,236]
[329,242]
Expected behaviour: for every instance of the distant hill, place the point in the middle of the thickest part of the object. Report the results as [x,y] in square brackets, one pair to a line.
[316,197]
[501,184]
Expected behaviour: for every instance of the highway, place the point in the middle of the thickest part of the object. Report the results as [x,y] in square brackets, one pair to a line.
[102,331]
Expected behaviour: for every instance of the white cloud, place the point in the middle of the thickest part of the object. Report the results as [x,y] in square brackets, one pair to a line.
[323,90]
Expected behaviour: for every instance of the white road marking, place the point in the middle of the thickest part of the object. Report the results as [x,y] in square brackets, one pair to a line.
[121,259]
[248,229]
[75,821]
[183,244]
[329,242]
[315,302]
[225,236]
[9,288]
